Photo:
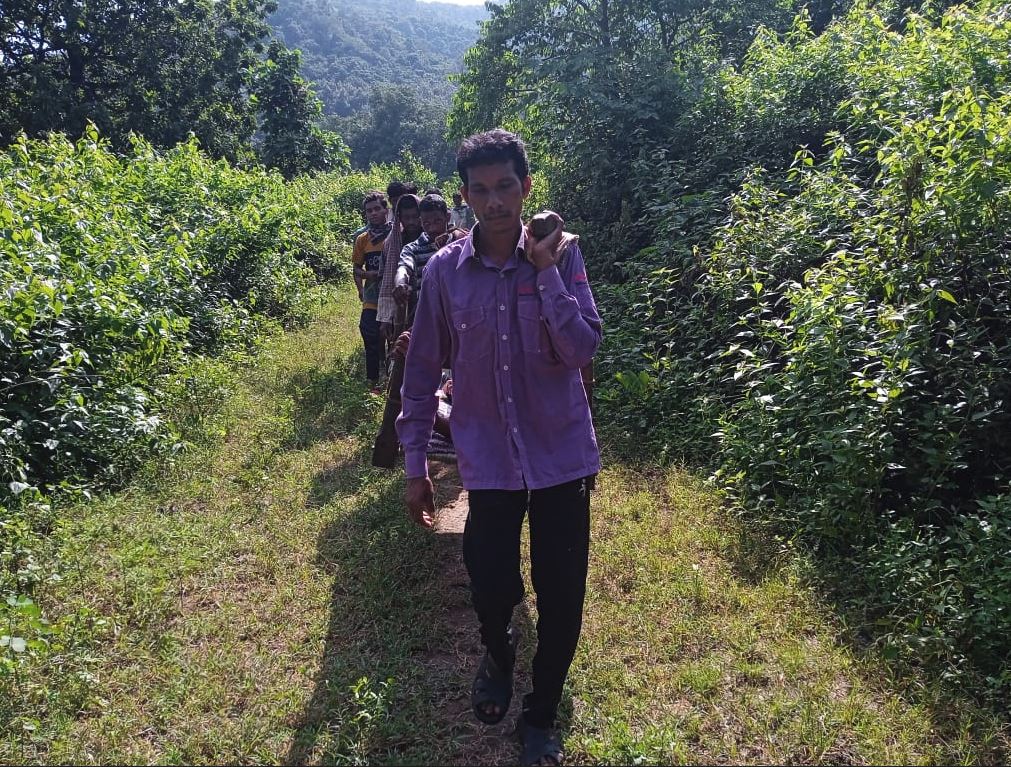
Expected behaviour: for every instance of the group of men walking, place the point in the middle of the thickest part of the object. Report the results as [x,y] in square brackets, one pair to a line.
[389,255]
[512,315]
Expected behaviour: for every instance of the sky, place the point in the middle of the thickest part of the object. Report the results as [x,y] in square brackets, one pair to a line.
[458,2]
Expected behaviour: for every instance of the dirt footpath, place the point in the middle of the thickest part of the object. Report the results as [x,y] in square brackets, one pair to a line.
[453,665]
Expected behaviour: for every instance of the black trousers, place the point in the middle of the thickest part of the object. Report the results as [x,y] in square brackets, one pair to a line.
[369,327]
[559,550]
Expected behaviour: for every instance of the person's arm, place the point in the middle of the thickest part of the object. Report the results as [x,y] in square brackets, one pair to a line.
[386,314]
[405,268]
[569,310]
[430,344]
[358,261]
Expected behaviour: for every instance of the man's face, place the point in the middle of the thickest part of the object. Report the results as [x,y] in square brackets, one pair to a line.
[375,212]
[496,194]
[410,222]
[434,222]
[457,199]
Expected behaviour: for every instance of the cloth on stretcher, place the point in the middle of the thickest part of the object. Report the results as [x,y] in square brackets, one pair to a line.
[437,444]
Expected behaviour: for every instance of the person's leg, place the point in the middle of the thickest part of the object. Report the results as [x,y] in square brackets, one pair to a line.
[369,327]
[491,551]
[559,552]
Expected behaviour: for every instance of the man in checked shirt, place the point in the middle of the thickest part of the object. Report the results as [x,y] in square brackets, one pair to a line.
[515,319]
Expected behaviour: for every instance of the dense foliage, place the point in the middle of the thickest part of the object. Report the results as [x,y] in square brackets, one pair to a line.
[123,276]
[162,69]
[291,139]
[596,87]
[398,119]
[839,345]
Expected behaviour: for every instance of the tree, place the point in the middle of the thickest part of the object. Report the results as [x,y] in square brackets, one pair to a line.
[161,68]
[399,118]
[290,137]
[596,85]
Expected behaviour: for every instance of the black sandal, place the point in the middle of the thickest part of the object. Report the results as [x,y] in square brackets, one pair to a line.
[539,744]
[493,685]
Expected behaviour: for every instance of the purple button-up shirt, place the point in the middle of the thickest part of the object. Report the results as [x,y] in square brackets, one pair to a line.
[515,339]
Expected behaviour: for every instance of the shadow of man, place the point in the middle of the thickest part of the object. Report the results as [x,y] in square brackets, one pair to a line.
[401,620]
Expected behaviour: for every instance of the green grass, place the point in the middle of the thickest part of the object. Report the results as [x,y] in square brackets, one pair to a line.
[266,600]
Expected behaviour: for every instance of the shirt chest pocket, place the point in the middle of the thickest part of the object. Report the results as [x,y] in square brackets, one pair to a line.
[474,334]
[533,333]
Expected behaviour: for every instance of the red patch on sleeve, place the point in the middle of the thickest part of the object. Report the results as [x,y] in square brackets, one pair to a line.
[581,277]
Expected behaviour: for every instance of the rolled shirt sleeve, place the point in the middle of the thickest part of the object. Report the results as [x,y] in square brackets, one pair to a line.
[569,311]
[405,267]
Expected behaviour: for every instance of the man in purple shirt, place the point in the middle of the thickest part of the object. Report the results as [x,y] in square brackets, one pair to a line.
[515,319]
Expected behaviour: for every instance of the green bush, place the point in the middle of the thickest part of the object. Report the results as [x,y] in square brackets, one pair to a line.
[115,269]
[125,278]
[838,348]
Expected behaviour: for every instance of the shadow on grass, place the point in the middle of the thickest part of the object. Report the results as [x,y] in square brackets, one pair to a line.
[964,725]
[402,643]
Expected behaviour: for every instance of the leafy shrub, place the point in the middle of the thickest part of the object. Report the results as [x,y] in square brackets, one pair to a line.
[124,279]
[115,269]
[838,348]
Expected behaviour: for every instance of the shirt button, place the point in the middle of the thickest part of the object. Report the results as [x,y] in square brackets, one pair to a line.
[510,399]
[501,307]
[505,367]
[515,429]
[505,337]
[540,287]
[463,326]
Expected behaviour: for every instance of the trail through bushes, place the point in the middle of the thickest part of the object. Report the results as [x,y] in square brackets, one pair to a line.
[124,279]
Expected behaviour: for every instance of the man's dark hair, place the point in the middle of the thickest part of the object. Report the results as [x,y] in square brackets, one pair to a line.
[492,147]
[406,201]
[373,196]
[434,190]
[433,202]
[400,188]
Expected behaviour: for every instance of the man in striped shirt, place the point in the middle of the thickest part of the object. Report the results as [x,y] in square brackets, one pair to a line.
[414,256]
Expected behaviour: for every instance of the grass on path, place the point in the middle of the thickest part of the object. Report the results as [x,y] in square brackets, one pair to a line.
[267,601]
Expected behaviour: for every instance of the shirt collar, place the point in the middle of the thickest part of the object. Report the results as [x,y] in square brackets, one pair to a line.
[469,249]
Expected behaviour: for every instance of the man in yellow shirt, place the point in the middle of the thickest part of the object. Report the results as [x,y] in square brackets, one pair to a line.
[367,259]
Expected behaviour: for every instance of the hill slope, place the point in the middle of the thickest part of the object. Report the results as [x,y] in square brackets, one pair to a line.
[349,47]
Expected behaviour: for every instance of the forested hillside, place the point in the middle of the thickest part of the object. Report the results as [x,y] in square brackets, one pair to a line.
[348,47]
[382,70]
